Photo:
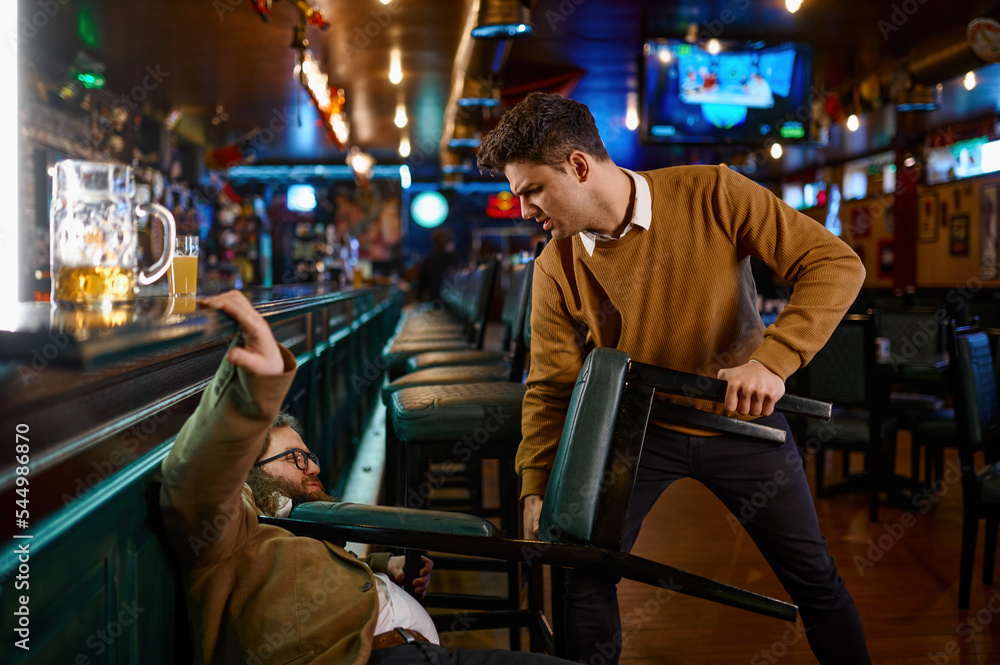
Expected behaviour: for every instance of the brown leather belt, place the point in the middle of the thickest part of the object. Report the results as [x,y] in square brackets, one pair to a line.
[396,637]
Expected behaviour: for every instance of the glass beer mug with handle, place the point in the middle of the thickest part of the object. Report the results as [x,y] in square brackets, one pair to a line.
[94,242]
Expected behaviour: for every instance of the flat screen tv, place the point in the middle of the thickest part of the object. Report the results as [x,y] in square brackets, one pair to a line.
[747,92]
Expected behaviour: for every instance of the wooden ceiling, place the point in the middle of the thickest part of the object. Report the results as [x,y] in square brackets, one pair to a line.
[219,53]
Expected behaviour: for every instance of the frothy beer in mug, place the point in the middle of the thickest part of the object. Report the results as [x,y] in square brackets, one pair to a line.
[94,285]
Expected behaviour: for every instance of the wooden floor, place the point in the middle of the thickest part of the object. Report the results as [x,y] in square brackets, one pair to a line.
[902,571]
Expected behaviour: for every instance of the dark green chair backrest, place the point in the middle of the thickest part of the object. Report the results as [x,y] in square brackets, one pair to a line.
[512,301]
[913,333]
[586,451]
[842,371]
[977,414]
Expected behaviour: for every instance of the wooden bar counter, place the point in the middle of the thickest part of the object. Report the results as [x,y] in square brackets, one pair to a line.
[94,400]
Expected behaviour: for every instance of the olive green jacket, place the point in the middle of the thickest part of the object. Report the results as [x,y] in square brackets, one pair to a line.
[256,593]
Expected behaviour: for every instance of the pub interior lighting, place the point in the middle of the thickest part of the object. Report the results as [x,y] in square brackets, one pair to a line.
[404,146]
[502,19]
[853,123]
[970,81]
[400,118]
[776,151]
[361,162]
[329,102]
[714,46]
[793,5]
[395,68]
[632,114]
[920,98]
[478,91]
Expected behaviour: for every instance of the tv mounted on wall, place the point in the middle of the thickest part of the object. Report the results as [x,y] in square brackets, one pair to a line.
[748,92]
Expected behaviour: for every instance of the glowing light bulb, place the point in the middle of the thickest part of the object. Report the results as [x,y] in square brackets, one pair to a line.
[853,123]
[970,81]
[776,151]
[395,69]
[714,46]
[793,5]
[632,119]
[666,56]
[404,147]
[400,118]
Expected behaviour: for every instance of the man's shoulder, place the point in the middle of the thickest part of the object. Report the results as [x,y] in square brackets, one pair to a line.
[556,256]
[684,172]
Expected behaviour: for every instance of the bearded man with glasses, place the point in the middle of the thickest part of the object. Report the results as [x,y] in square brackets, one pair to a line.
[257,593]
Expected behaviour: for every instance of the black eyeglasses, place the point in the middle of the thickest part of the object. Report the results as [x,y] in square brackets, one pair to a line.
[300,456]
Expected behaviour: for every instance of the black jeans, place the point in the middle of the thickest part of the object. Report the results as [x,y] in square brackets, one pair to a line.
[764,486]
[422,653]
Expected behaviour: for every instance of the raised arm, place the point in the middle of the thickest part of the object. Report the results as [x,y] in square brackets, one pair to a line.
[826,272]
[203,475]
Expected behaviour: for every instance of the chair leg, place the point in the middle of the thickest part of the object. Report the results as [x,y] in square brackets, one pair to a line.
[875,478]
[989,550]
[392,480]
[558,581]
[915,461]
[415,489]
[510,512]
[970,525]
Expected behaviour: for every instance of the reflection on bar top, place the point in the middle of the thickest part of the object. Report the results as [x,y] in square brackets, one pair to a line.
[82,337]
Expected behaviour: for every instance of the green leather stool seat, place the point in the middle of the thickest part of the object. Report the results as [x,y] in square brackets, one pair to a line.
[451,413]
[455,357]
[407,339]
[397,354]
[988,479]
[357,514]
[443,376]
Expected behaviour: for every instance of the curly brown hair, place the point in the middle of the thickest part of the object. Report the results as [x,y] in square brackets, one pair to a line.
[542,129]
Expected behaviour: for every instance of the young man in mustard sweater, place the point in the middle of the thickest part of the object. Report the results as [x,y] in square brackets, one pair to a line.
[657,264]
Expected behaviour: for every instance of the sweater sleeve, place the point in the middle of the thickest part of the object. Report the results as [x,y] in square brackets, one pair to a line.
[826,272]
[203,475]
[557,353]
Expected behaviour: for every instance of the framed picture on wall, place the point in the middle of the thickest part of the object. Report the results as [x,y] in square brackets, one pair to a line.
[927,226]
[988,245]
[959,235]
[886,257]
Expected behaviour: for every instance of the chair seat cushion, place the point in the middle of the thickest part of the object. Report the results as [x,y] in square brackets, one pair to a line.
[936,428]
[408,338]
[989,483]
[397,354]
[917,401]
[848,426]
[444,376]
[390,517]
[455,357]
[450,413]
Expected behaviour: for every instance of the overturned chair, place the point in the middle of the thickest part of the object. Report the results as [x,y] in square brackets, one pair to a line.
[587,497]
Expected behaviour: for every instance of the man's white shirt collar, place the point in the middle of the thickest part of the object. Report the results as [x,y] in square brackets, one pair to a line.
[642,214]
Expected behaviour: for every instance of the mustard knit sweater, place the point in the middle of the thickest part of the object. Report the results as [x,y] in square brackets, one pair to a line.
[680,295]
